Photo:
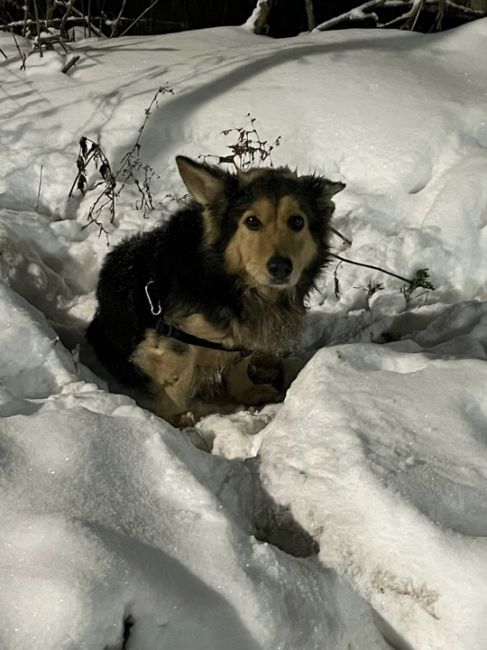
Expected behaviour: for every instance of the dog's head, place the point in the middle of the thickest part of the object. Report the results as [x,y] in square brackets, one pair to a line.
[271,225]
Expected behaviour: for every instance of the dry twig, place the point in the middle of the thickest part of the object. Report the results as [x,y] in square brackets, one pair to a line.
[153,4]
[38,25]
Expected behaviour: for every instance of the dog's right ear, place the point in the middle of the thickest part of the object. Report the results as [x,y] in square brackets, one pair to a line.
[205,183]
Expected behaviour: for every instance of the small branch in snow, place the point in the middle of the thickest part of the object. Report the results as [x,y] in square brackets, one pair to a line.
[358,13]
[112,184]
[249,150]
[370,266]
[52,39]
[38,24]
[337,281]
[116,22]
[69,9]
[421,278]
[21,54]
[342,237]
[2,52]
[80,14]
[72,61]
[39,189]
[26,15]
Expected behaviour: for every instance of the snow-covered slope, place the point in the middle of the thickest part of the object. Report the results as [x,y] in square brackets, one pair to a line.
[111,519]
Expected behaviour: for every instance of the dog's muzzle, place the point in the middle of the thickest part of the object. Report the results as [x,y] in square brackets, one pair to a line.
[279,268]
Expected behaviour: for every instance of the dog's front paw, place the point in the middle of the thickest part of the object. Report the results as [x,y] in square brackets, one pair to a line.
[260,394]
[187,419]
[265,368]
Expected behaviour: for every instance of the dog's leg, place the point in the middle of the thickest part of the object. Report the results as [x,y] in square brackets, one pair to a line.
[241,387]
[171,372]
[172,400]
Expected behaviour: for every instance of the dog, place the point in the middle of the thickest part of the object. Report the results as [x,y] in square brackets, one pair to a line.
[199,304]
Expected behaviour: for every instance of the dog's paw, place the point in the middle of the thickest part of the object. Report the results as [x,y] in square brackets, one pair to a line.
[265,368]
[260,394]
[187,419]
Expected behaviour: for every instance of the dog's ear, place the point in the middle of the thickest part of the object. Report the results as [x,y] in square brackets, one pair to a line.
[205,183]
[320,187]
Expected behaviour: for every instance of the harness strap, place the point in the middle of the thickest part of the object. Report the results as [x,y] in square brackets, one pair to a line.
[165,329]
[172,332]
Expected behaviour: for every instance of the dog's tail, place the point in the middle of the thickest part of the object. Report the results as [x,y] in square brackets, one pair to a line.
[116,362]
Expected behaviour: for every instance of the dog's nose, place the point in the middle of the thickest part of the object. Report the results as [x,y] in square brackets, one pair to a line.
[279,267]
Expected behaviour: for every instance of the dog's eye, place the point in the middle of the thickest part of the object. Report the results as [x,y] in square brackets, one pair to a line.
[252,223]
[296,222]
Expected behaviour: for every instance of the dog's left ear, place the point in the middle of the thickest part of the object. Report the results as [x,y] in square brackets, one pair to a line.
[205,183]
[319,187]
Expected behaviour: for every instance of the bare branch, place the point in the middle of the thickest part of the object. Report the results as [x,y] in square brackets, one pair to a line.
[21,54]
[26,15]
[38,24]
[414,7]
[410,16]
[370,266]
[358,13]
[116,22]
[342,237]
[310,14]
[39,189]
[77,12]
[69,8]
[72,61]
[139,17]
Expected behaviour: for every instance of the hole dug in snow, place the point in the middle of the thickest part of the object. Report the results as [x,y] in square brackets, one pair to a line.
[127,625]
[264,518]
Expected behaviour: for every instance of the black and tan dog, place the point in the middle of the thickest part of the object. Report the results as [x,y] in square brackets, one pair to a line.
[230,271]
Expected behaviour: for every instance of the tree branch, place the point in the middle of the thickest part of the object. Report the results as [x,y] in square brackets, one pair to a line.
[80,14]
[69,8]
[310,14]
[371,266]
[357,13]
[139,17]
[116,22]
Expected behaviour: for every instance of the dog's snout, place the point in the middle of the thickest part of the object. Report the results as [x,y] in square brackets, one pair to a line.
[279,267]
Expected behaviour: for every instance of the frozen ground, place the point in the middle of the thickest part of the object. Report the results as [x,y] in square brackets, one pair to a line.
[353,516]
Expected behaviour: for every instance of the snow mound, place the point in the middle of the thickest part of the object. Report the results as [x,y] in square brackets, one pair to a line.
[380,454]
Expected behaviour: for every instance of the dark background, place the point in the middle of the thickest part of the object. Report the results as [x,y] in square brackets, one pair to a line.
[286,17]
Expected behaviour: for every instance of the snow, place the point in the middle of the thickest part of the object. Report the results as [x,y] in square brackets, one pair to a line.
[109,515]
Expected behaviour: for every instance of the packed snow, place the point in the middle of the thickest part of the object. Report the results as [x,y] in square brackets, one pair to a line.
[352,516]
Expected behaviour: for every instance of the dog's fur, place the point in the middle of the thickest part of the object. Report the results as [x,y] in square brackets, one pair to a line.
[210,267]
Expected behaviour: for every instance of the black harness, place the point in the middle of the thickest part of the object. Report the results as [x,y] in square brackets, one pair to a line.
[165,329]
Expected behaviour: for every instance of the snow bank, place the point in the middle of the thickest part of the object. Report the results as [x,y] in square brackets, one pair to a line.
[380,454]
[110,515]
